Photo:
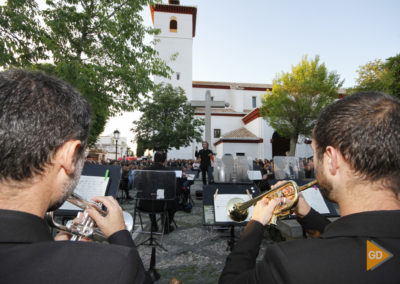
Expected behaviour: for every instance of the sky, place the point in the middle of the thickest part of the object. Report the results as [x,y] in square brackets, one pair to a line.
[252,41]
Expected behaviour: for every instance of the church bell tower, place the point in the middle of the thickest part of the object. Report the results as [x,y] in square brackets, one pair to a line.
[177,25]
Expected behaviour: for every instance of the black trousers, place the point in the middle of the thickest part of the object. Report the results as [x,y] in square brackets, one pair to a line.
[207,170]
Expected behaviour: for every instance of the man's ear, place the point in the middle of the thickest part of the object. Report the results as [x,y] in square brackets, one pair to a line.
[332,156]
[66,155]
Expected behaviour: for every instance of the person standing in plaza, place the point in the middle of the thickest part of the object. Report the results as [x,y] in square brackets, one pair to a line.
[204,156]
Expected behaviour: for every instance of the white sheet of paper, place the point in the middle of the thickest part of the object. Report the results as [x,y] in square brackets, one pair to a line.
[88,187]
[160,193]
[254,175]
[220,203]
[314,198]
[190,177]
[178,174]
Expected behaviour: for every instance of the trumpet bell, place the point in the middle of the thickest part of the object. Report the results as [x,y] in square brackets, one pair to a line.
[288,191]
[234,213]
[128,219]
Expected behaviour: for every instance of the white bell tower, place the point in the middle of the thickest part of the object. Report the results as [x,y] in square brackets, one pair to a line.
[175,41]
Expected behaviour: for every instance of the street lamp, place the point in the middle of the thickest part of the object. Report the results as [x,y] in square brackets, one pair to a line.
[116,137]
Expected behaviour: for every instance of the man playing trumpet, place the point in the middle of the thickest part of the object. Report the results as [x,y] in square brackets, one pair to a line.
[357,164]
[44,125]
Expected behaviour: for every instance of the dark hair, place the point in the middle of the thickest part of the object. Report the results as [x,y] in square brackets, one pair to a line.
[365,127]
[160,157]
[38,114]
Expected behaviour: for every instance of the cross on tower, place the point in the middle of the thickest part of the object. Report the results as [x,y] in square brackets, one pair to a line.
[208,104]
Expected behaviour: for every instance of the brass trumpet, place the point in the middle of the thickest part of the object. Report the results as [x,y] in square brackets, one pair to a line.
[238,211]
[83,226]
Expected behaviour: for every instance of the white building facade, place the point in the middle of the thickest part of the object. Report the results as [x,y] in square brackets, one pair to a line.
[237,129]
[109,146]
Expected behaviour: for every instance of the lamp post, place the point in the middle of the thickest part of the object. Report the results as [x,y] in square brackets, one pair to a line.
[116,137]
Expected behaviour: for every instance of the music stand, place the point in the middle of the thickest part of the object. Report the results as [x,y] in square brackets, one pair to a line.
[209,208]
[154,186]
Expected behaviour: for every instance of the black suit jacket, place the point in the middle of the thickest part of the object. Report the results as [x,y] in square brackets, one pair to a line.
[338,256]
[28,254]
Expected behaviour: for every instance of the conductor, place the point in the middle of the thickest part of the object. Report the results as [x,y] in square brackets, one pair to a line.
[357,165]
[44,126]
[204,156]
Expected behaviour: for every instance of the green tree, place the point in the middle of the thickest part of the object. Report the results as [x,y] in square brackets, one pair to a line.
[21,34]
[392,77]
[370,77]
[96,45]
[167,121]
[140,148]
[379,76]
[297,98]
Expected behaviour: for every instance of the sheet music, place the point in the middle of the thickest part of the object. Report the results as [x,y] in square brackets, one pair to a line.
[314,198]
[220,203]
[254,175]
[160,193]
[190,176]
[88,187]
[178,174]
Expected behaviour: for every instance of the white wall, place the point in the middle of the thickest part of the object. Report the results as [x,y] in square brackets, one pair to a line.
[107,144]
[171,43]
[225,123]
[239,100]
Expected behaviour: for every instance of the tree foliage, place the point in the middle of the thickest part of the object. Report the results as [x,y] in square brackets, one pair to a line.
[392,77]
[370,77]
[167,121]
[379,76]
[21,35]
[139,148]
[297,98]
[96,45]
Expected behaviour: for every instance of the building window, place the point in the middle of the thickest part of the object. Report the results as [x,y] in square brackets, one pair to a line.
[254,102]
[212,98]
[178,75]
[240,154]
[173,25]
[217,133]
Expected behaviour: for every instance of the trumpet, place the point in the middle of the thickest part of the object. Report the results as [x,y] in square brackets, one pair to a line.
[83,226]
[289,190]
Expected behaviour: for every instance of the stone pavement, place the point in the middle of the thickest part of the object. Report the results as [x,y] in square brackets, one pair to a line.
[196,253]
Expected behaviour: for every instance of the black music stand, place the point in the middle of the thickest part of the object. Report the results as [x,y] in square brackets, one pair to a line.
[154,186]
[208,205]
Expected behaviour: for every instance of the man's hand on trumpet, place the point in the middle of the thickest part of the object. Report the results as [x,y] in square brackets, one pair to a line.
[113,221]
[263,210]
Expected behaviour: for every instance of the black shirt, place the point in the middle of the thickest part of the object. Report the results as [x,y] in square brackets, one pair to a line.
[205,158]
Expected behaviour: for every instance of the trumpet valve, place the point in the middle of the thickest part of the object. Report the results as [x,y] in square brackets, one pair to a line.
[82,225]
